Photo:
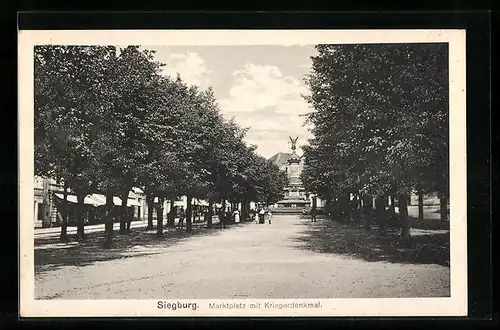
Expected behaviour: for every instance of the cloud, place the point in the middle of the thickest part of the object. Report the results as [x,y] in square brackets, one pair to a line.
[260,86]
[269,142]
[270,103]
[191,67]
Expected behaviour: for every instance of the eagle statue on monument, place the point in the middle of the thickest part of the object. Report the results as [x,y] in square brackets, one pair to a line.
[294,142]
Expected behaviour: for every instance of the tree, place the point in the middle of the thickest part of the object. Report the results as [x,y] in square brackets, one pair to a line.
[136,94]
[373,105]
[67,92]
[162,165]
[272,183]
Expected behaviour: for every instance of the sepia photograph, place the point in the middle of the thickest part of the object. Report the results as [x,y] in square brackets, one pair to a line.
[238,173]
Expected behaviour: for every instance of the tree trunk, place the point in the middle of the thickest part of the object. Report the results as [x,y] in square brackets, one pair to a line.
[64,225]
[210,214]
[328,208]
[403,215]
[244,211]
[420,205]
[151,207]
[345,207]
[108,223]
[367,208]
[80,209]
[393,206]
[159,217]
[367,203]
[189,213]
[443,208]
[46,221]
[380,213]
[123,212]
[171,214]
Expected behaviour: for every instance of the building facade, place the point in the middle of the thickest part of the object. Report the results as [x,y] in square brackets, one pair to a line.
[49,197]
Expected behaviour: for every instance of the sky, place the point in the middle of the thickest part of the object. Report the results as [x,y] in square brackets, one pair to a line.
[261,87]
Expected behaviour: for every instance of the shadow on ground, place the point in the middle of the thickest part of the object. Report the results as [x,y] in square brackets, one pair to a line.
[50,254]
[329,236]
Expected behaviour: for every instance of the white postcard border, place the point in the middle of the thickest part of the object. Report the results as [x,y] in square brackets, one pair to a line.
[455,305]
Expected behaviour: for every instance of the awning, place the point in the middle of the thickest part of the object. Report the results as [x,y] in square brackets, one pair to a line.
[73,199]
[133,202]
[137,190]
[98,200]
[199,202]
[130,201]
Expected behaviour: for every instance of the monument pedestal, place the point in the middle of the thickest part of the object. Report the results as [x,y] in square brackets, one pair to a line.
[295,197]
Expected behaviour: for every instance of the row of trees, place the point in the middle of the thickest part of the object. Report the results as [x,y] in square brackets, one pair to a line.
[380,126]
[107,120]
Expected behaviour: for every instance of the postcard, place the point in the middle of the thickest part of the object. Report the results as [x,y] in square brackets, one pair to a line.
[242,173]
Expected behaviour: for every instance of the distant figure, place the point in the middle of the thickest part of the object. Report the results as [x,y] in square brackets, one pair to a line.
[270,215]
[313,214]
[256,215]
[261,215]
[236,215]
[222,218]
[129,220]
[182,215]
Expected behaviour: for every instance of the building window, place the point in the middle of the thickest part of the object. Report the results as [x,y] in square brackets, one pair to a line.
[41,208]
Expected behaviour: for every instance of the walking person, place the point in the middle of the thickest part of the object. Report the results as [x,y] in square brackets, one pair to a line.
[226,218]
[236,215]
[182,215]
[222,219]
[129,220]
[261,215]
[270,215]
[313,214]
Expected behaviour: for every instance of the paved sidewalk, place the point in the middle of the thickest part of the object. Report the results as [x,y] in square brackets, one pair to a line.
[247,261]
[56,231]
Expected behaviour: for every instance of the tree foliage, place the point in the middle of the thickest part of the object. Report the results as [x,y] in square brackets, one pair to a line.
[107,120]
[380,119]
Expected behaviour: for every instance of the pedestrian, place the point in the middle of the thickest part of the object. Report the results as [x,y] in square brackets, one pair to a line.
[129,220]
[270,216]
[236,216]
[256,215]
[261,215]
[182,215]
[313,214]
[226,218]
[221,217]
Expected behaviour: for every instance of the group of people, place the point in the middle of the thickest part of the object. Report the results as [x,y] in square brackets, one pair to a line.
[225,217]
[260,216]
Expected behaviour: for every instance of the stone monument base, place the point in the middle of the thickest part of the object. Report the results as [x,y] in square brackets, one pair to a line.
[290,206]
